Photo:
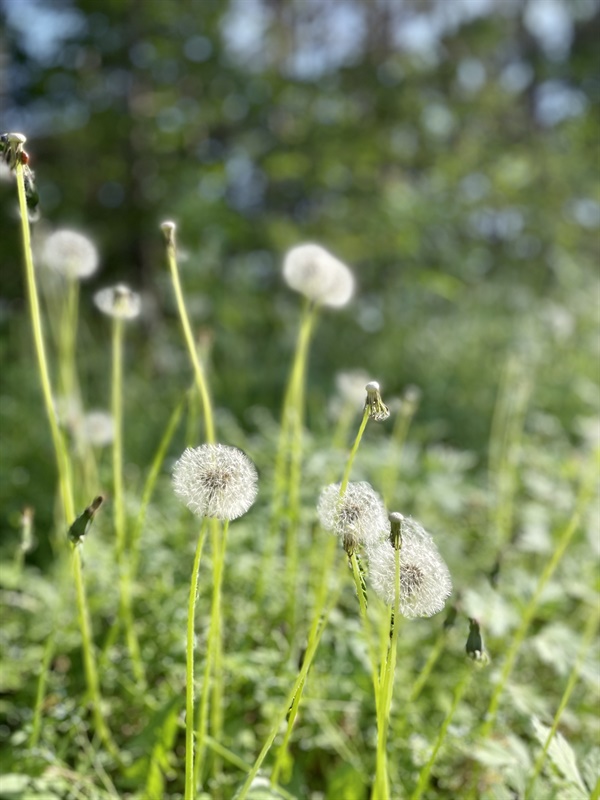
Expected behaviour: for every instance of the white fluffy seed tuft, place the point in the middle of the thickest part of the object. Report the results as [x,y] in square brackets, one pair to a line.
[119,302]
[70,254]
[317,274]
[425,582]
[215,480]
[358,517]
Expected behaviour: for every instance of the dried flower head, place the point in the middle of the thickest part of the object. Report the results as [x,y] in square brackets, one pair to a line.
[119,302]
[215,480]
[317,274]
[70,254]
[357,517]
[378,411]
[424,577]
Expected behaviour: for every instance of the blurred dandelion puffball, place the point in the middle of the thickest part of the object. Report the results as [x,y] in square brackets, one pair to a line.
[118,302]
[98,428]
[317,274]
[358,517]
[424,577]
[70,254]
[215,480]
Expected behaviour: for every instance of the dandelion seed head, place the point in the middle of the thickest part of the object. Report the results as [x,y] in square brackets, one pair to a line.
[168,228]
[119,302]
[358,517]
[98,428]
[424,577]
[215,480]
[317,274]
[70,254]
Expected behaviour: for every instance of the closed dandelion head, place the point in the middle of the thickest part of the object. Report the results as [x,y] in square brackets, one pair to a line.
[119,302]
[378,411]
[318,275]
[424,577]
[70,254]
[215,480]
[358,517]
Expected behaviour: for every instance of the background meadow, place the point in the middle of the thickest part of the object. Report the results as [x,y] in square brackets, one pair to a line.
[448,153]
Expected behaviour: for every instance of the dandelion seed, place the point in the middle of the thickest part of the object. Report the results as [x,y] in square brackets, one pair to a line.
[378,411]
[70,254]
[424,577]
[317,274]
[119,302]
[215,480]
[358,517]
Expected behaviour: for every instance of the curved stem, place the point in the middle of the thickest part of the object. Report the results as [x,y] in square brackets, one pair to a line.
[199,375]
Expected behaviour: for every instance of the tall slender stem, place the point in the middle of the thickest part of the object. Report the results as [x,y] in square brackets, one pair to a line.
[214,634]
[199,375]
[190,788]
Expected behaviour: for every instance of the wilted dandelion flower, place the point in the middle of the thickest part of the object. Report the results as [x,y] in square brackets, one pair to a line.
[424,577]
[215,480]
[378,411]
[317,274]
[358,517]
[70,254]
[119,301]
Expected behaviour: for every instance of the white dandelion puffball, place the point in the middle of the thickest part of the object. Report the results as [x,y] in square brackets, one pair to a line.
[320,276]
[98,428]
[70,254]
[358,517]
[425,582]
[119,302]
[215,480]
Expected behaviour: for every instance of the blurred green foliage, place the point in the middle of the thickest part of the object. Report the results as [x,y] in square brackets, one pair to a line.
[458,180]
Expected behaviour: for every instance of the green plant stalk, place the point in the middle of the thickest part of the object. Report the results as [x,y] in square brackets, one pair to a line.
[295,472]
[36,726]
[527,616]
[199,375]
[89,660]
[214,637]
[434,654]
[588,635]
[60,450]
[190,787]
[398,438]
[381,789]
[595,791]
[68,335]
[62,461]
[125,612]
[150,484]
[289,700]
[459,692]
[117,449]
[353,452]
[326,564]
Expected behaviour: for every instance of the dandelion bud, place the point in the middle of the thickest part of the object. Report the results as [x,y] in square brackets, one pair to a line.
[357,517]
[318,275]
[424,577]
[119,302]
[70,254]
[378,411]
[214,480]
[475,648]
